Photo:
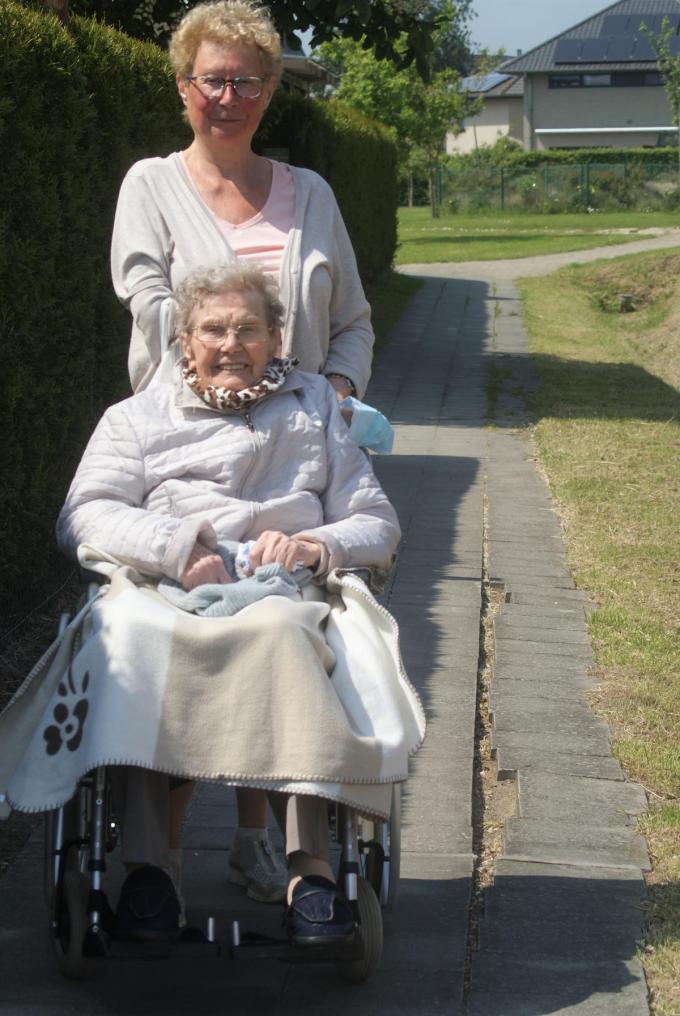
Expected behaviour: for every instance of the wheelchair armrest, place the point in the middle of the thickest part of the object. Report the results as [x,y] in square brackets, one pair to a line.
[89,577]
[375,578]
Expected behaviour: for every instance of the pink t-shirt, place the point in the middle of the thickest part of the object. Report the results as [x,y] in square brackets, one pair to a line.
[263,237]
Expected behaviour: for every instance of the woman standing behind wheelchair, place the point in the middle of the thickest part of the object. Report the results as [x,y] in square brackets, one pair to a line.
[215,201]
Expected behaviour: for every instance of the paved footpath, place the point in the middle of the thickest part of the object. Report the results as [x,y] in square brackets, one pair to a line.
[561,920]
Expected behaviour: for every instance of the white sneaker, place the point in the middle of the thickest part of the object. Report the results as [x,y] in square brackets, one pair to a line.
[254,864]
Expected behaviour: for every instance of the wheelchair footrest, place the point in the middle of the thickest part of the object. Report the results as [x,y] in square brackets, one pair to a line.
[254,946]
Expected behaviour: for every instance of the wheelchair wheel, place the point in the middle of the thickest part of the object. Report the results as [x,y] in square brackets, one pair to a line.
[71,926]
[371,931]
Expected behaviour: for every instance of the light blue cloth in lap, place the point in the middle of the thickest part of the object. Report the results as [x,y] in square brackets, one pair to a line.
[217,600]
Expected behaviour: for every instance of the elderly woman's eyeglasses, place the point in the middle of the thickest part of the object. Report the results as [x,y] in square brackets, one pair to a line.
[213,87]
[214,333]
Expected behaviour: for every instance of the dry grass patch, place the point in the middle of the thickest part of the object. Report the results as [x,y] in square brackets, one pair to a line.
[608,430]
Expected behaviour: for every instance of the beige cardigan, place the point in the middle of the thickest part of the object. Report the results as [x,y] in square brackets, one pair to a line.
[163,230]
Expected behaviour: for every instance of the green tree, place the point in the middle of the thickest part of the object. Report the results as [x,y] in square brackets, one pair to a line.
[420,113]
[384,23]
[669,68]
[451,41]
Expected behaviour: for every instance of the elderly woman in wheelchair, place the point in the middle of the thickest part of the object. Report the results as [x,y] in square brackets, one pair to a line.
[228,507]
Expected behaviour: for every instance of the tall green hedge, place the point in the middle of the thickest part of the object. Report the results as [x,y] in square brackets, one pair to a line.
[590,156]
[508,152]
[77,108]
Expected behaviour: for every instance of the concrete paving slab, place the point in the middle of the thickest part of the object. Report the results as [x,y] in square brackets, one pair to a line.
[550,714]
[621,991]
[512,559]
[596,802]
[564,937]
[607,841]
[540,629]
[512,539]
[522,691]
[546,671]
[547,594]
[526,888]
[538,572]
[426,992]
[592,743]
[511,760]
[517,616]
[570,657]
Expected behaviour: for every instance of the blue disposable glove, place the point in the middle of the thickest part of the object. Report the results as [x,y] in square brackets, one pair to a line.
[369,428]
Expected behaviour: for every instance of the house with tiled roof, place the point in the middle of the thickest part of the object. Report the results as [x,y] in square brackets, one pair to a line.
[301,73]
[501,115]
[598,84]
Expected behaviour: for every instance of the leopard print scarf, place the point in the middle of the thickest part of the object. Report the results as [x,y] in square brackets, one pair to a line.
[275,373]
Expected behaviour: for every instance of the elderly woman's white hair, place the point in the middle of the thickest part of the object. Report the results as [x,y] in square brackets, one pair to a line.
[229,23]
[237,277]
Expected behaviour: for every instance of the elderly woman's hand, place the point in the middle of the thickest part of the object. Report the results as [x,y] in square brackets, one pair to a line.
[290,551]
[203,567]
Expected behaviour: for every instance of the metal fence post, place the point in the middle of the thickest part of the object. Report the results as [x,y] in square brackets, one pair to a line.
[502,188]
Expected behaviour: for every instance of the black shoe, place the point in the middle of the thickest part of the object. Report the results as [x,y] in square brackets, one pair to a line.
[318,914]
[148,908]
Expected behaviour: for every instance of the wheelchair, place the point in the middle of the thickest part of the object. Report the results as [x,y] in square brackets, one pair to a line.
[80,835]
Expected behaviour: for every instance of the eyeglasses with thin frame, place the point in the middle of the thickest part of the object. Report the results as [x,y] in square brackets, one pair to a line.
[214,333]
[211,86]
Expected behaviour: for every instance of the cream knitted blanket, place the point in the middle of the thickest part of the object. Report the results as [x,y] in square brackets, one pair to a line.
[306,695]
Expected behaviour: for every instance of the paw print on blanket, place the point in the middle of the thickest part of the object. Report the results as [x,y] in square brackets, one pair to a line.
[68,718]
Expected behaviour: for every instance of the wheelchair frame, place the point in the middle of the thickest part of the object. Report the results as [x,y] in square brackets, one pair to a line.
[80,834]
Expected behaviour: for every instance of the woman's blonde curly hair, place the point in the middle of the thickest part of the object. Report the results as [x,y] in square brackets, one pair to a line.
[228,22]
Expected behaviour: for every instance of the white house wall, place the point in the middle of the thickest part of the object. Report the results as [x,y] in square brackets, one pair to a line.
[582,113]
[497,118]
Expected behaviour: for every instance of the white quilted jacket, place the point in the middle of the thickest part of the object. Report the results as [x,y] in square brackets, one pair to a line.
[162,469]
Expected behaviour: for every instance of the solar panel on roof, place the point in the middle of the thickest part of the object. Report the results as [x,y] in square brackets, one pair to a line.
[484,82]
[614,24]
[651,21]
[568,50]
[674,45]
[620,49]
[642,49]
[594,50]
[654,22]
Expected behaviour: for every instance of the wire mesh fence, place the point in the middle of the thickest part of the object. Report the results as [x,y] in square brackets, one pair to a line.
[560,187]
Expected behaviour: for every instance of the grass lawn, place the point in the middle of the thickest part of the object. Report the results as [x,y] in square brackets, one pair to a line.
[491,236]
[608,432]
